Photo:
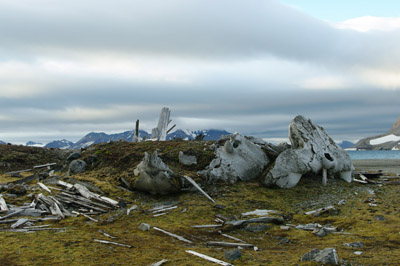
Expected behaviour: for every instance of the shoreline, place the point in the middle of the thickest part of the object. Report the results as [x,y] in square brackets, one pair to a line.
[386,165]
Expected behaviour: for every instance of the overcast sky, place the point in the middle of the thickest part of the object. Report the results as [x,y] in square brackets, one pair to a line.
[71,67]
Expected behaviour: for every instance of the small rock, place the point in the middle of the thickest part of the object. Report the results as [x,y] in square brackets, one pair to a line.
[122,203]
[321,232]
[232,254]
[342,202]
[359,244]
[379,218]
[77,166]
[285,227]
[16,175]
[285,240]
[187,159]
[357,252]
[326,256]
[74,156]
[144,227]
[255,228]
[219,206]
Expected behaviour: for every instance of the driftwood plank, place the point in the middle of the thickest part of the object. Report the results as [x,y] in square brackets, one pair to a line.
[44,187]
[321,210]
[220,262]
[107,235]
[165,209]
[19,223]
[12,214]
[228,244]
[207,226]
[233,238]
[198,188]
[44,165]
[161,262]
[173,235]
[85,215]
[3,204]
[112,243]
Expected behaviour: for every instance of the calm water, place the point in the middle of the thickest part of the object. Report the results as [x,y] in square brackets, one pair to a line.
[359,155]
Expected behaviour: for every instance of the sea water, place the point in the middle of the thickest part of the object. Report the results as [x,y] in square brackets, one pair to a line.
[384,154]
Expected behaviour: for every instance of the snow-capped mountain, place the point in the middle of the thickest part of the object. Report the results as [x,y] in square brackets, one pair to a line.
[94,138]
[60,144]
[387,141]
[211,134]
[34,144]
[346,144]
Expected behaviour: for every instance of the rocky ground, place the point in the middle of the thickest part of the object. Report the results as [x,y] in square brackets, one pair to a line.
[363,225]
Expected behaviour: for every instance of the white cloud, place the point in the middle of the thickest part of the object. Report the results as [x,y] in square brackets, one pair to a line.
[369,23]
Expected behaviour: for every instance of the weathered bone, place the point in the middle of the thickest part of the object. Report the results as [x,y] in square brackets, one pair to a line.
[313,151]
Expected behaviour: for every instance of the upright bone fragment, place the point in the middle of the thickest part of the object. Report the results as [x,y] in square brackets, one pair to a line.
[312,151]
[160,132]
[155,176]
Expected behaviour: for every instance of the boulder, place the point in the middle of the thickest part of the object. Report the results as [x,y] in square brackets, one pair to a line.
[237,159]
[187,159]
[74,156]
[232,254]
[312,151]
[154,176]
[77,166]
[325,256]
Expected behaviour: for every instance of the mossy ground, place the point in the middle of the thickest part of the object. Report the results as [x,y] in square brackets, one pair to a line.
[75,245]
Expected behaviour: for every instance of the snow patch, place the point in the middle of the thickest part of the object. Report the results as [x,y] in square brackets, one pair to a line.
[388,138]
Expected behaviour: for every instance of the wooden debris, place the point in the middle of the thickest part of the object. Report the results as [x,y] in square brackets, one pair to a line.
[220,262]
[160,214]
[85,215]
[44,165]
[232,237]
[12,214]
[128,211]
[207,226]
[112,243]
[30,229]
[173,235]
[65,184]
[161,262]
[3,204]
[19,223]
[360,181]
[161,207]
[44,187]
[107,235]
[17,172]
[320,211]
[228,244]
[165,209]
[199,188]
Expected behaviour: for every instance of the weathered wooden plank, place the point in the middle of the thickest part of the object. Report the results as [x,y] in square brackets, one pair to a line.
[198,188]
[44,165]
[159,263]
[19,223]
[85,215]
[220,262]
[12,214]
[19,171]
[3,204]
[321,210]
[107,235]
[112,243]
[44,187]
[207,226]
[232,237]
[165,209]
[228,244]
[173,235]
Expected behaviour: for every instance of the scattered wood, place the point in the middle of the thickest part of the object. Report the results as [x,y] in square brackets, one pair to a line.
[363,177]
[107,235]
[30,229]
[161,262]
[173,235]
[160,207]
[85,215]
[320,211]
[360,181]
[19,223]
[220,262]
[128,211]
[44,165]
[112,243]
[12,214]
[160,214]
[17,172]
[3,204]
[232,237]
[44,187]
[207,226]
[199,188]
[228,244]
[165,209]
[65,184]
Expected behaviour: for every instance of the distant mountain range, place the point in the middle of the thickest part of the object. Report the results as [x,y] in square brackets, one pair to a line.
[387,141]
[2,142]
[94,138]
[346,144]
